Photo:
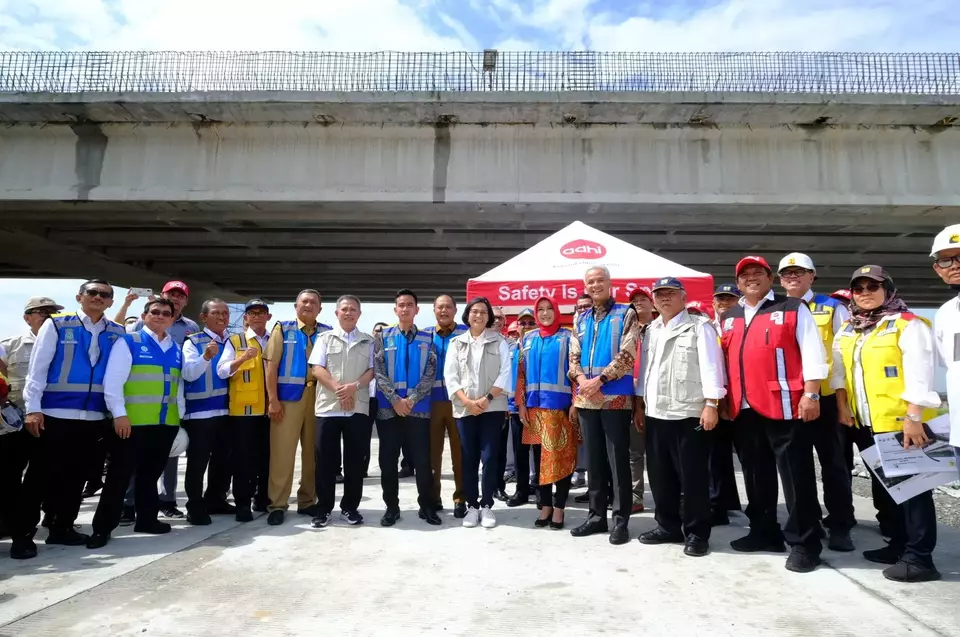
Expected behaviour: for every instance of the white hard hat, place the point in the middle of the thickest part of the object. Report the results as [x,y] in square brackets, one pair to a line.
[180,443]
[796,260]
[948,238]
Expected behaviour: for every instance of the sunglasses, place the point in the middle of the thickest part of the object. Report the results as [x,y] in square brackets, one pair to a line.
[163,313]
[103,294]
[42,312]
[526,323]
[945,262]
[870,287]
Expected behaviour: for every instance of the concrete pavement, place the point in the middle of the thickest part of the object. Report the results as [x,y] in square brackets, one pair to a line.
[230,579]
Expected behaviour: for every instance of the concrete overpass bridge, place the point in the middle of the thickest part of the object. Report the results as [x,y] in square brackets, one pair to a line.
[264,173]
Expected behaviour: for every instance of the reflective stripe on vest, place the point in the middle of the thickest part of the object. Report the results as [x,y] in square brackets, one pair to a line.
[823,309]
[209,392]
[247,386]
[151,390]
[599,345]
[880,374]
[546,364]
[512,381]
[406,361]
[293,362]
[440,346]
[72,382]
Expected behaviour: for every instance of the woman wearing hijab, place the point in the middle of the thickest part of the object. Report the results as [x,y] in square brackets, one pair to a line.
[883,375]
[476,372]
[544,398]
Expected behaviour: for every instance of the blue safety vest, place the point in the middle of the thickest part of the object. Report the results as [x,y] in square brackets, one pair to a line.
[440,345]
[405,361]
[545,365]
[293,363]
[152,389]
[512,382]
[599,345]
[209,392]
[72,382]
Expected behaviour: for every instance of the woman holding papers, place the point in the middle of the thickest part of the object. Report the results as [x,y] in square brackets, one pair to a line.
[883,375]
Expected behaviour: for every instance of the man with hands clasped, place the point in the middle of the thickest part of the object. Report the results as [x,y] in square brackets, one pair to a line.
[680,383]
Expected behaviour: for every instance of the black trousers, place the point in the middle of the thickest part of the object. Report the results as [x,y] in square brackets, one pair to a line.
[911,525]
[261,461]
[678,462]
[209,447]
[606,434]
[547,495]
[766,447]
[97,467]
[69,445]
[145,453]
[837,492]
[724,495]
[413,434]
[354,432]
[23,475]
[502,445]
[521,454]
[245,434]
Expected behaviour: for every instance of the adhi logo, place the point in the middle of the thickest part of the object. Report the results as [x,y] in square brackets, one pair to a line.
[583,249]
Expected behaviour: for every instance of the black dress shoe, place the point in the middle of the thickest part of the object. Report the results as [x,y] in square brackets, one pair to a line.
[260,506]
[802,561]
[501,495]
[198,517]
[430,517]
[886,555]
[460,510]
[438,506]
[391,517]
[591,526]
[583,498]
[518,499]
[660,535]
[220,508]
[244,514]
[556,526]
[275,518]
[153,527]
[47,520]
[23,549]
[310,511]
[756,542]
[98,540]
[542,523]
[840,541]
[405,472]
[695,547]
[910,573]
[619,534]
[719,518]
[128,516]
[339,478]
[70,537]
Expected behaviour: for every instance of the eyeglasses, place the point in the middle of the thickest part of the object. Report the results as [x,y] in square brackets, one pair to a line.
[41,312]
[870,287]
[103,294]
[945,262]
[793,273]
[256,314]
[482,312]
[163,313]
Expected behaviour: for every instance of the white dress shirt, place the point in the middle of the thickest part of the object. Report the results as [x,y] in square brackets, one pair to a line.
[709,356]
[194,367]
[319,357]
[812,352]
[43,352]
[118,371]
[946,329]
[230,354]
[916,346]
[451,368]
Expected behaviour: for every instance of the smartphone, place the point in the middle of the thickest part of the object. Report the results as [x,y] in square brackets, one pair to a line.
[142,292]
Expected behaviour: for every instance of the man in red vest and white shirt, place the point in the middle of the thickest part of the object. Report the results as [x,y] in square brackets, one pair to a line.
[775,361]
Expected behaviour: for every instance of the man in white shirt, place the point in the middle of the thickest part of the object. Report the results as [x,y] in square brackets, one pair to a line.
[64,402]
[680,383]
[775,364]
[142,375]
[946,322]
[342,362]
[797,274]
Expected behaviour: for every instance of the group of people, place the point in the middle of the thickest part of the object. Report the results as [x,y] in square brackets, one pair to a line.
[658,380]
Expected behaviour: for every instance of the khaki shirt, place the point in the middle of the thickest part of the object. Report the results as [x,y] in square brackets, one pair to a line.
[19,349]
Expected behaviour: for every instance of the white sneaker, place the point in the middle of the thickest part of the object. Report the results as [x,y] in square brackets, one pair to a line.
[472,517]
[487,519]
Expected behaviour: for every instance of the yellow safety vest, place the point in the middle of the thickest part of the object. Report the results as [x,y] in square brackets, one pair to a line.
[881,362]
[823,317]
[248,389]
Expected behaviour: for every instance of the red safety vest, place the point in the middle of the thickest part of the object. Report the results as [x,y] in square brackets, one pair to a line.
[763,359]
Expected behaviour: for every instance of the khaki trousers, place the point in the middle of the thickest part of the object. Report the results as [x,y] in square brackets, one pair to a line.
[442,421]
[297,426]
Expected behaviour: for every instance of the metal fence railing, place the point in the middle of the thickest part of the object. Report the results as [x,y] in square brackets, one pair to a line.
[177,72]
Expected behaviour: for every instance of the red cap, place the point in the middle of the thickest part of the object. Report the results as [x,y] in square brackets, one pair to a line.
[513,327]
[752,260]
[176,285]
[697,306]
[642,290]
[842,294]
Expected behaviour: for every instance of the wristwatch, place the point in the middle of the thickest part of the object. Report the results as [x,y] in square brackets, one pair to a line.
[812,396]
[713,403]
[489,397]
[914,417]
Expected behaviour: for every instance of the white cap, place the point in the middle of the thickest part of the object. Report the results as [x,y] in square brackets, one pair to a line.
[948,238]
[796,260]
